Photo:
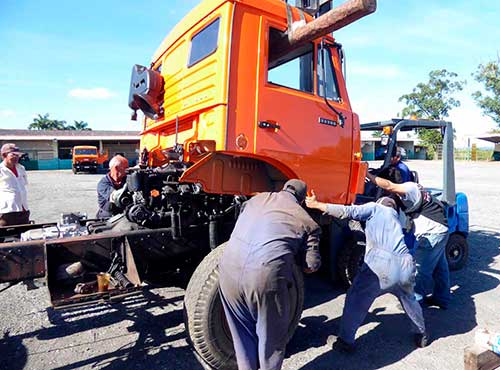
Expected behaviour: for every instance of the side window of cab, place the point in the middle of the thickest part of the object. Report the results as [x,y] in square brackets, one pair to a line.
[293,69]
[204,43]
[327,80]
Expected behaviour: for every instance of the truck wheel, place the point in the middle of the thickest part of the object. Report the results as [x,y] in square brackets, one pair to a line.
[74,170]
[351,255]
[457,251]
[204,317]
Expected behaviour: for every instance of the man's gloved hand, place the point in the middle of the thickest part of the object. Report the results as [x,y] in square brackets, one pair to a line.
[117,196]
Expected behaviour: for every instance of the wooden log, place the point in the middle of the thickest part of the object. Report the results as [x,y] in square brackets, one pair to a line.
[478,358]
[338,17]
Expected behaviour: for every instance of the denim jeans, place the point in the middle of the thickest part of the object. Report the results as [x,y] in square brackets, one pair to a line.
[433,275]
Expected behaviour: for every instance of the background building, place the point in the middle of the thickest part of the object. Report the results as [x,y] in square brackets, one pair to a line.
[51,149]
[372,150]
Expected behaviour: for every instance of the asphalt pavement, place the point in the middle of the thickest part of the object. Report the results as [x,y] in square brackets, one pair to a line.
[147,332]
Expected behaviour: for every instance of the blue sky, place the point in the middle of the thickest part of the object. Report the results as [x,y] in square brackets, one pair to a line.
[73,59]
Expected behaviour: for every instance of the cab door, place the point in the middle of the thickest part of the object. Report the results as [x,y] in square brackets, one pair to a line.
[294,124]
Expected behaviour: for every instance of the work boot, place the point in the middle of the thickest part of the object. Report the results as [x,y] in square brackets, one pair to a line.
[421,340]
[342,346]
[431,301]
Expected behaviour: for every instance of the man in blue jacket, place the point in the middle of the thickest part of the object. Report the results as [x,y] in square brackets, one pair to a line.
[256,273]
[402,172]
[109,186]
[388,267]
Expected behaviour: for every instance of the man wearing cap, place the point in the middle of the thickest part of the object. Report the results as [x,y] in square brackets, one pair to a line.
[388,268]
[256,273]
[13,181]
[401,171]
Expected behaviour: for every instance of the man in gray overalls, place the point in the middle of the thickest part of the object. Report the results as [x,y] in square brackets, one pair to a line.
[256,273]
[388,268]
[430,224]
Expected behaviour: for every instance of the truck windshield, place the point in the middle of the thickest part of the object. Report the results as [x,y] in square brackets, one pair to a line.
[87,151]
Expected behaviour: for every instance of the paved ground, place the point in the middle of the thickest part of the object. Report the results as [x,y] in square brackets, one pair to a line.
[146,332]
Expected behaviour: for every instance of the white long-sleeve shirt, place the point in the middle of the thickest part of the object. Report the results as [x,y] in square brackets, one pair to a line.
[13,194]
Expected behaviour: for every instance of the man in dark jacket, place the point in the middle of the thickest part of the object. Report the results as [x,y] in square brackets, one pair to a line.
[402,172]
[256,273]
[109,185]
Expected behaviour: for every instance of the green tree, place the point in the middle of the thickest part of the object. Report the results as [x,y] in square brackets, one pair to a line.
[433,100]
[43,122]
[40,122]
[376,133]
[489,75]
[79,125]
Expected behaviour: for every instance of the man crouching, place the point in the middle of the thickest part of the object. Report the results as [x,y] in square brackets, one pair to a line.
[388,268]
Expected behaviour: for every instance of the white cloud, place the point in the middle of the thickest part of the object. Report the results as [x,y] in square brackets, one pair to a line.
[7,113]
[97,93]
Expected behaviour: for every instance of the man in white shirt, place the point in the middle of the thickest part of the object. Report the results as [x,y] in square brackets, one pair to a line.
[13,181]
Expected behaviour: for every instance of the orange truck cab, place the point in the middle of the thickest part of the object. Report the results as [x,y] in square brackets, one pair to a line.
[224,93]
[86,158]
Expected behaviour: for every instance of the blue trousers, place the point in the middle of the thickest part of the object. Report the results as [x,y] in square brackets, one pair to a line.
[256,301]
[364,290]
[433,275]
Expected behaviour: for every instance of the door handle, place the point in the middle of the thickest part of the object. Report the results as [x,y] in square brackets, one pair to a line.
[271,125]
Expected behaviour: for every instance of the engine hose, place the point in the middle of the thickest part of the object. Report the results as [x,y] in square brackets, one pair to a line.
[174,225]
[212,232]
[122,280]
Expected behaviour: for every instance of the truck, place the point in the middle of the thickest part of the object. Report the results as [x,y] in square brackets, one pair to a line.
[241,96]
[87,158]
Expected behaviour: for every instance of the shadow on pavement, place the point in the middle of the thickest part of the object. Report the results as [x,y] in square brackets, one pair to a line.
[151,349]
[391,340]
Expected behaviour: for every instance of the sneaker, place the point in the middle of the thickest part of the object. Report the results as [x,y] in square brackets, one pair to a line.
[430,301]
[342,346]
[421,340]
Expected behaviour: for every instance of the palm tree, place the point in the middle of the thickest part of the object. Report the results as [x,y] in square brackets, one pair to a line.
[80,125]
[40,123]
[45,123]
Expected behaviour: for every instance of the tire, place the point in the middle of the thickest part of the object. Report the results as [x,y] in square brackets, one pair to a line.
[351,255]
[74,170]
[204,318]
[457,251]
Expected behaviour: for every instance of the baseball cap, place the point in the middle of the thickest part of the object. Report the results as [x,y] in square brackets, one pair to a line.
[10,148]
[296,187]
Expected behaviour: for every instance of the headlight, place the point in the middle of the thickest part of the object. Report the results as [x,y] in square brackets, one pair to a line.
[76,162]
[94,162]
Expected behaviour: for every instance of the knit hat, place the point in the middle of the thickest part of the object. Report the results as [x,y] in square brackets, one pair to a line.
[297,188]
